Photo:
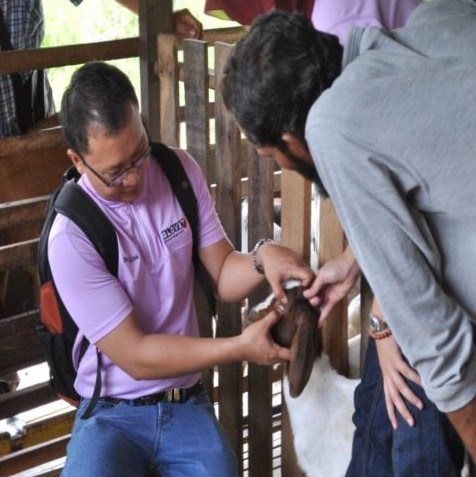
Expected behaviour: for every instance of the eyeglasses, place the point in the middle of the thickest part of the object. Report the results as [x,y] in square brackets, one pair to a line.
[117,181]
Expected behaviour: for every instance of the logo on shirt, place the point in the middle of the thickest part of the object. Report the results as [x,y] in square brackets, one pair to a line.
[174,230]
[131,259]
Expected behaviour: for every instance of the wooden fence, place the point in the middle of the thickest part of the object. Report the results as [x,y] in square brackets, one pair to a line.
[194,117]
[187,94]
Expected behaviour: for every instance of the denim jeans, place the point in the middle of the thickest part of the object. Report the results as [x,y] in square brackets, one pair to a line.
[165,439]
[431,448]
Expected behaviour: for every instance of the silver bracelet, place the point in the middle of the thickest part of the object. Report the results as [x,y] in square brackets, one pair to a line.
[258,267]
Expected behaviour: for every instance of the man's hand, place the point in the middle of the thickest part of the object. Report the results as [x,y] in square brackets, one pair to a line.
[186,25]
[281,263]
[257,344]
[394,369]
[333,282]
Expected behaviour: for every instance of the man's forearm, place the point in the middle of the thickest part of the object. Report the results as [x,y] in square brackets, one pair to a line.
[464,421]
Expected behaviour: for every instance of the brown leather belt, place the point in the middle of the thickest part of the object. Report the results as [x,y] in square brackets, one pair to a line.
[175,395]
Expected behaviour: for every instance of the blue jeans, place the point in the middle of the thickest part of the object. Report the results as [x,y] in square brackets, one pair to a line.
[431,448]
[165,439]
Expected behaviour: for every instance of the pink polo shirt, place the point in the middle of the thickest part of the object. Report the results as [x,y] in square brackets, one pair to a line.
[338,16]
[155,274]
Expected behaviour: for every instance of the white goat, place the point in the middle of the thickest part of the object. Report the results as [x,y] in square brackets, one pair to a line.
[321,417]
[319,400]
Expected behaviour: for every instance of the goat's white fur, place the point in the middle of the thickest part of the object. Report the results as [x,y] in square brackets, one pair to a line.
[321,417]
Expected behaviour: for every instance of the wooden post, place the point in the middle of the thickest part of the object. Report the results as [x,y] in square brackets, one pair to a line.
[169,87]
[154,16]
[331,245]
[195,64]
[228,201]
[296,234]
[260,386]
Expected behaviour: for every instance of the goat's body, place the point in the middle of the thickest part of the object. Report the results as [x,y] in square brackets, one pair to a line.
[321,420]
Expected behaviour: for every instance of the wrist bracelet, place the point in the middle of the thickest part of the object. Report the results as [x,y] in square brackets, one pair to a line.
[380,335]
[257,266]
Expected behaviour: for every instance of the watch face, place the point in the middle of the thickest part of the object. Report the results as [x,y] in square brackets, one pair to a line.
[376,324]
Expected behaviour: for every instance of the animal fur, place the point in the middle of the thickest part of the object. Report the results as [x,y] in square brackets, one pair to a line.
[319,400]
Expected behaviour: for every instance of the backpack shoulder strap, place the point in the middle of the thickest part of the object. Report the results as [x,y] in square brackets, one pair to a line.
[180,183]
[78,206]
[183,190]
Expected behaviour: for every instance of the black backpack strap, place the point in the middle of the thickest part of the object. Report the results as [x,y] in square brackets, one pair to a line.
[78,206]
[183,190]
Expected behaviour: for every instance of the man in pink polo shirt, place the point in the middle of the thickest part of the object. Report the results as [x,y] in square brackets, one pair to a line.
[144,322]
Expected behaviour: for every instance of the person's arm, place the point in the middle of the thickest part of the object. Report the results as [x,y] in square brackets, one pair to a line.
[399,257]
[105,314]
[157,356]
[235,276]
[464,421]
[185,24]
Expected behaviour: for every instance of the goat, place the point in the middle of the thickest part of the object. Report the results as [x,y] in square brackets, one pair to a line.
[297,329]
[319,400]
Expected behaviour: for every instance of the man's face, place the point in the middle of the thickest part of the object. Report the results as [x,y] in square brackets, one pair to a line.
[114,163]
[293,156]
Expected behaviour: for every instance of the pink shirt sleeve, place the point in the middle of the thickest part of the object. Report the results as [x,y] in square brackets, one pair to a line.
[89,283]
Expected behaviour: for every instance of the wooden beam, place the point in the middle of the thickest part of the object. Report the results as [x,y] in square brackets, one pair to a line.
[155,16]
[19,345]
[26,60]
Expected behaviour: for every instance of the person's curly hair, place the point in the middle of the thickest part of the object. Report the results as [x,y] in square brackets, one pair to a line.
[276,72]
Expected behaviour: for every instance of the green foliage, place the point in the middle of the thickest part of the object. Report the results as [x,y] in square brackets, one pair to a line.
[100,20]
[92,21]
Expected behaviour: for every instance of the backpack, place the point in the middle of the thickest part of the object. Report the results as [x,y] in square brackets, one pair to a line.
[55,328]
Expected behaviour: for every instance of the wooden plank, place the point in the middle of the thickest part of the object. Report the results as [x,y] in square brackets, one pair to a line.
[32,141]
[5,444]
[13,214]
[25,60]
[154,16]
[18,255]
[26,175]
[48,429]
[295,213]
[224,35]
[228,200]
[197,130]
[25,399]
[32,457]
[296,234]
[169,98]
[260,224]
[331,244]
[19,345]
[196,104]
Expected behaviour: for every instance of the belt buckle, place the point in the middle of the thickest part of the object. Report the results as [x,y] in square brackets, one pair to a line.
[174,395]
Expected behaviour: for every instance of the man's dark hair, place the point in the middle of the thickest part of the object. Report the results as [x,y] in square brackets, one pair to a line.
[97,97]
[276,72]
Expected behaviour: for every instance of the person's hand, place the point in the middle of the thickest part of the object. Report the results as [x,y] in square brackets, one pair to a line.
[333,282]
[394,369]
[258,346]
[279,264]
[186,25]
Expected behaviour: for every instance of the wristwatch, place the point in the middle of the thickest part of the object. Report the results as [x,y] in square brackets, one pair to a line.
[378,329]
